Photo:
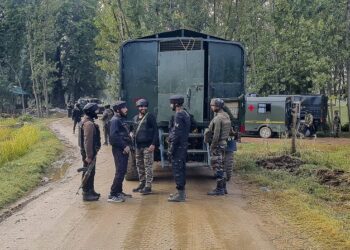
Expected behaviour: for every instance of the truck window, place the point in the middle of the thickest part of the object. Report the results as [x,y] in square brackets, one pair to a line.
[264,108]
[234,108]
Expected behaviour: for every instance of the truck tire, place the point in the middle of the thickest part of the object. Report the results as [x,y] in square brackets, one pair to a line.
[265,132]
[131,172]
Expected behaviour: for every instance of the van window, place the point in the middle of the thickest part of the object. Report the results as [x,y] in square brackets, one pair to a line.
[264,108]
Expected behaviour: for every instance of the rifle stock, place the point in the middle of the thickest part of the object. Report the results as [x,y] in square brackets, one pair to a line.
[87,174]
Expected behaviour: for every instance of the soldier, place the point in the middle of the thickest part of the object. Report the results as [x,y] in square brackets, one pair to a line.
[90,143]
[309,124]
[179,129]
[106,118]
[336,123]
[70,107]
[146,136]
[220,128]
[76,116]
[119,138]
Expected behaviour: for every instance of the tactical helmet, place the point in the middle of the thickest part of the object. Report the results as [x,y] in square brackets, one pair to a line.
[142,102]
[217,102]
[90,109]
[119,105]
[177,99]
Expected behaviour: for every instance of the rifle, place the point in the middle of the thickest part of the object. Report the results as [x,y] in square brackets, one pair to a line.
[87,172]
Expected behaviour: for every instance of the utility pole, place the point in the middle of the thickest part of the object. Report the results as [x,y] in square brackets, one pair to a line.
[295,112]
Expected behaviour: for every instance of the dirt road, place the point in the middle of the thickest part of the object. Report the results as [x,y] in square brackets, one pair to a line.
[58,219]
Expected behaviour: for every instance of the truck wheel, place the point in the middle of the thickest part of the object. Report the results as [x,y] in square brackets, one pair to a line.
[131,172]
[265,132]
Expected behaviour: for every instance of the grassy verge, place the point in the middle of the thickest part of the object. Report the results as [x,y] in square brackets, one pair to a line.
[26,153]
[321,211]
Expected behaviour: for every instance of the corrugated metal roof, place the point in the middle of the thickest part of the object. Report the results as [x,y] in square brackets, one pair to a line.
[182,33]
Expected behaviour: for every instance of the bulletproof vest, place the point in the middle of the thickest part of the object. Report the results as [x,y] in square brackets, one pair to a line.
[224,119]
[96,140]
[309,119]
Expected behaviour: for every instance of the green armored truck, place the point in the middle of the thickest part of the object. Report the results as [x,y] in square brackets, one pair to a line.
[195,65]
[268,115]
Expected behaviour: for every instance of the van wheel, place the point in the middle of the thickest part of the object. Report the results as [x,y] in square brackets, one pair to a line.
[265,132]
[131,172]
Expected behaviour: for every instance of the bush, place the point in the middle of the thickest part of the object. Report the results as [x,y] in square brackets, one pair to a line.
[345,127]
[25,118]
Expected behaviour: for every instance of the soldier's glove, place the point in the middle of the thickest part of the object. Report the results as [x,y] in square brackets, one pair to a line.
[126,150]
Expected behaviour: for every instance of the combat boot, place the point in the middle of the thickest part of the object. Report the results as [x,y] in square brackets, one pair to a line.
[146,190]
[95,193]
[139,188]
[89,196]
[225,189]
[93,188]
[219,190]
[180,196]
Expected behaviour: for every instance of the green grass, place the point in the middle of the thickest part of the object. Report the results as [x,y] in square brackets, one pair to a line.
[321,211]
[22,172]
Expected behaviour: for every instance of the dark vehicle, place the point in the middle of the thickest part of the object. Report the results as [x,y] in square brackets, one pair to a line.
[85,100]
[195,65]
[317,105]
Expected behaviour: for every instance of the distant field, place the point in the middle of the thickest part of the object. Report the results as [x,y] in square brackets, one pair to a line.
[312,190]
[26,151]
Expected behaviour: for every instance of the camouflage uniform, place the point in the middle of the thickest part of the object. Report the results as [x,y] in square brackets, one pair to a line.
[144,162]
[309,125]
[336,124]
[228,161]
[146,134]
[220,127]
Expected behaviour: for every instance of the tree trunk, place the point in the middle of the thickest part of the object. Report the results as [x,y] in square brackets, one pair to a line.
[348,59]
[294,125]
[34,79]
[330,101]
[46,92]
[228,26]
[124,22]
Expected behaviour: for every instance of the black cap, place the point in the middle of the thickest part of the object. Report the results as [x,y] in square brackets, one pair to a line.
[142,102]
[90,108]
[107,106]
[119,105]
[177,99]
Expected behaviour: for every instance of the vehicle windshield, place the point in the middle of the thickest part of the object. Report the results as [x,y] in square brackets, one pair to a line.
[95,101]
